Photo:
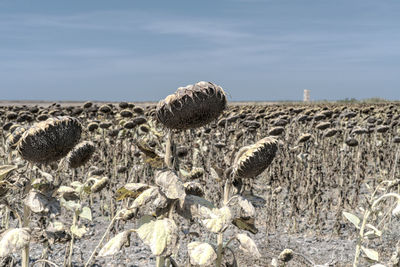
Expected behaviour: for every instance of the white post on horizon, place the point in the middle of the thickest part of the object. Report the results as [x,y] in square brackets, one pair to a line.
[306,95]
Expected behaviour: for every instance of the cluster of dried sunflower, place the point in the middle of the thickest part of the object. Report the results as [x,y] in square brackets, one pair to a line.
[42,195]
[158,207]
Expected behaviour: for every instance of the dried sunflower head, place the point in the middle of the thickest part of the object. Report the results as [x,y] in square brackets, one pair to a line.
[80,154]
[92,126]
[15,136]
[192,106]
[50,140]
[252,160]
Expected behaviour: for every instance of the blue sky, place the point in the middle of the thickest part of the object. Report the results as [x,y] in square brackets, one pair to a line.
[144,50]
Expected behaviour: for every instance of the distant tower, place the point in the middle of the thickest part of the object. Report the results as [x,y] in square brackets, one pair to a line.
[306,95]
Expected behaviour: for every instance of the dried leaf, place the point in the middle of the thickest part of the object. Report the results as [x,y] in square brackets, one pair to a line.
[217,219]
[67,193]
[170,184]
[13,240]
[86,213]
[146,150]
[192,207]
[39,203]
[78,231]
[248,245]
[151,157]
[201,254]
[352,218]
[245,224]
[216,175]
[70,205]
[370,253]
[396,210]
[160,235]
[131,190]
[47,176]
[375,230]
[151,198]
[155,163]
[241,207]
[136,187]
[115,244]
[5,170]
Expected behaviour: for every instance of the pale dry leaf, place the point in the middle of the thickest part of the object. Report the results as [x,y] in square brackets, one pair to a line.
[352,218]
[13,240]
[396,210]
[134,187]
[202,254]
[39,203]
[241,207]
[78,231]
[150,200]
[115,244]
[170,184]
[66,192]
[192,207]
[70,205]
[47,176]
[5,170]
[370,253]
[248,245]
[217,219]
[86,213]
[160,235]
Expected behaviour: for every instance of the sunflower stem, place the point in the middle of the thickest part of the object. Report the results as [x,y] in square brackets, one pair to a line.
[367,213]
[71,247]
[25,250]
[160,261]
[25,219]
[169,157]
[219,249]
[110,226]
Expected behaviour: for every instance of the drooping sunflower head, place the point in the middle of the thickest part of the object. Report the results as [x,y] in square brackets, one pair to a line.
[252,160]
[192,106]
[80,154]
[50,140]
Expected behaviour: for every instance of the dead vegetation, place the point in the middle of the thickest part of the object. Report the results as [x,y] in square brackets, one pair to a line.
[199,182]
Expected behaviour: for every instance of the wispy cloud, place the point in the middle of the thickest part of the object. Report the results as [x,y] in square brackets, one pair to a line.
[148,50]
[216,30]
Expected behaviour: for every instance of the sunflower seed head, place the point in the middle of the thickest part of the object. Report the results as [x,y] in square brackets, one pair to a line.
[15,136]
[80,154]
[192,106]
[50,140]
[252,160]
